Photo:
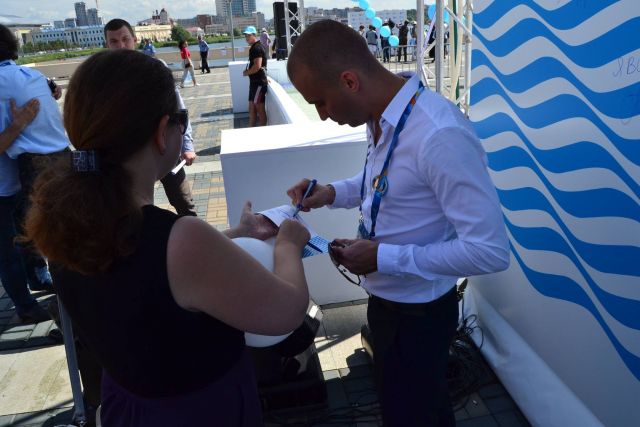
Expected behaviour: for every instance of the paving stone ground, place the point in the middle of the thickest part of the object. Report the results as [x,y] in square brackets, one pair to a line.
[346,368]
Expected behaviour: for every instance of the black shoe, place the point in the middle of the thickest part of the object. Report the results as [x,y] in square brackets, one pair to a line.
[35,314]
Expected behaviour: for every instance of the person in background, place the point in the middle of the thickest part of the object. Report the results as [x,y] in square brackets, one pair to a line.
[403,37]
[148,48]
[12,273]
[384,44]
[362,31]
[131,274]
[258,82]
[429,214]
[204,52]
[119,35]
[265,39]
[33,147]
[186,63]
[372,40]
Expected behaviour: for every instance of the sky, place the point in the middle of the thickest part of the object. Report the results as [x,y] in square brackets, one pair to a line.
[45,11]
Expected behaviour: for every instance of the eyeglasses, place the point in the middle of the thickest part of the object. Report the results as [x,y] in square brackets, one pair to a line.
[353,278]
[181,118]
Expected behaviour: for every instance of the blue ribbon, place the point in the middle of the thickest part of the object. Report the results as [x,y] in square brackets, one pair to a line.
[382,183]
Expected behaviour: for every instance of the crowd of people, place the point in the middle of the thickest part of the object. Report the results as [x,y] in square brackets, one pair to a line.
[131,274]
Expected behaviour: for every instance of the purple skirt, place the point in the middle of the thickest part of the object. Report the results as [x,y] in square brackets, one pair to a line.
[230,401]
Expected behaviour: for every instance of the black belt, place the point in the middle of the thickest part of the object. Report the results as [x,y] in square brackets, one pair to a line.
[411,308]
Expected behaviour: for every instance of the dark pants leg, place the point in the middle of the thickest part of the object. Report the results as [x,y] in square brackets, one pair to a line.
[178,192]
[12,273]
[411,351]
[29,166]
[204,65]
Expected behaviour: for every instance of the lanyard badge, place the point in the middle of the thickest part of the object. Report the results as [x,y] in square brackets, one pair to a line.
[380,183]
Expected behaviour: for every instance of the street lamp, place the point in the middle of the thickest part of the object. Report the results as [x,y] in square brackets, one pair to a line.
[233,48]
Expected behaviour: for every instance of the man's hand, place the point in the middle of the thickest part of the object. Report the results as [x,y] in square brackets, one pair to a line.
[189,157]
[359,256]
[254,225]
[57,93]
[245,73]
[320,196]
[21,117]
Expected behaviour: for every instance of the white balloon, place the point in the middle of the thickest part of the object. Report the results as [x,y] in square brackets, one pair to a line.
[263,252]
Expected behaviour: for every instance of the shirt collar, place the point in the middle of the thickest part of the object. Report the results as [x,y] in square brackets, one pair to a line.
[7,62]
[391,115]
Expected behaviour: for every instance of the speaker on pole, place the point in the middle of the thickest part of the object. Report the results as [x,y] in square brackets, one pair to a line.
[280,23]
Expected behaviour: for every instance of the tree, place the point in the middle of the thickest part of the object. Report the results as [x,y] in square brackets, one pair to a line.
[179,34]
[411,15]
[236,32]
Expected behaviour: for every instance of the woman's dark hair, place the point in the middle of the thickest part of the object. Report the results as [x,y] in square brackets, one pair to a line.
[8,44]
[84,221]
[182,43]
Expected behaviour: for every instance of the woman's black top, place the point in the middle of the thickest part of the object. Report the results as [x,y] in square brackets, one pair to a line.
[128,319]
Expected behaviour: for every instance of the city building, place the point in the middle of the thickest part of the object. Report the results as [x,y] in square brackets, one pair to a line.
[187,22]
[161,18]
[260,21]
[70,23]
[81,14]
[238,7]
[93,18]
[203,20]
[356,17]
[58,24]
[87,36]
[155,32]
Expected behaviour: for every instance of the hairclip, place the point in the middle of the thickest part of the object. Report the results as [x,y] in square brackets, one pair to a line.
[84,161]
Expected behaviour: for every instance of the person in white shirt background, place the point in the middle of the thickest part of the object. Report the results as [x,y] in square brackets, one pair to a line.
[436,216]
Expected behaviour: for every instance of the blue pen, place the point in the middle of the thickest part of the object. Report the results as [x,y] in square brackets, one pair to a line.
[310,187]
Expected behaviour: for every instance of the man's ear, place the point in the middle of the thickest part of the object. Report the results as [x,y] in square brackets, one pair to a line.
[159,136]
[350,80]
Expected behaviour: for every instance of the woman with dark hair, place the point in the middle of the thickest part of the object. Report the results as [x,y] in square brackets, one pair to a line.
[186,62]
[161,300]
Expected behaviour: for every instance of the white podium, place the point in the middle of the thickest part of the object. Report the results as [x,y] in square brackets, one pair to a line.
[239,86]
[260,164]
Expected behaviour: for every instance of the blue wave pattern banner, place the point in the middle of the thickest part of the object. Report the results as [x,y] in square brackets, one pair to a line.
[532,70]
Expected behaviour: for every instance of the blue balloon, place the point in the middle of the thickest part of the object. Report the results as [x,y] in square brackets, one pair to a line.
[431,13]
[394,41]
[370,13]
[377,22]
[364,4]
[385,31]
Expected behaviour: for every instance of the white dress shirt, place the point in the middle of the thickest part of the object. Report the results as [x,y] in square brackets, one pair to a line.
[441,218]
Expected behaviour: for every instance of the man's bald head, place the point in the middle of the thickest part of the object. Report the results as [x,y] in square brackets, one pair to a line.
[327,48]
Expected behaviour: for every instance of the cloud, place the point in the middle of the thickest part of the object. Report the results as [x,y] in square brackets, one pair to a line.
[134,11]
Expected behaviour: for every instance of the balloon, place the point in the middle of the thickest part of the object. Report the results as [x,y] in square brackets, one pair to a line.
[394,41]
[364,4]
[377,22]
[370,13]
[263,252]
[431,13]
[385,31]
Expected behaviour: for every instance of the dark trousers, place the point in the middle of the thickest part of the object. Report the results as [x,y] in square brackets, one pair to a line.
[29,167]
[178,191]
[12,272]
[411,349]
[204,65]
[402,49]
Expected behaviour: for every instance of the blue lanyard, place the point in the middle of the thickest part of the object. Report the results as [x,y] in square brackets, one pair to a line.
[380,182]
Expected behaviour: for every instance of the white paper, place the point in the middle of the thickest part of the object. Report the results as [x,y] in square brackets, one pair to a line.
[177,168]
[316,245]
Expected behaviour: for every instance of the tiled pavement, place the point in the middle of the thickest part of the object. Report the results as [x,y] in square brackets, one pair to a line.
[34,388]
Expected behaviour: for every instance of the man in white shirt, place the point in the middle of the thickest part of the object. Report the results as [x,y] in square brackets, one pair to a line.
[436,215]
